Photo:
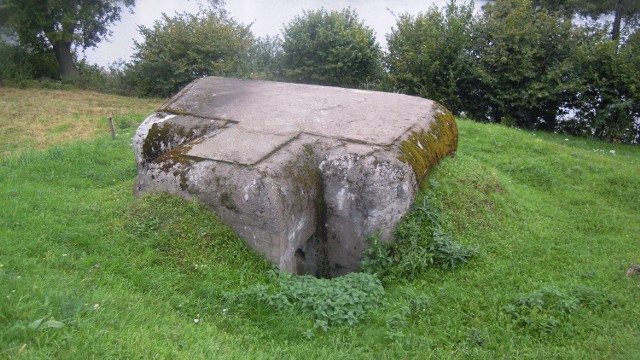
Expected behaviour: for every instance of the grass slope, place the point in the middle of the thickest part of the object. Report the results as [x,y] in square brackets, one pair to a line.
[39,118]
[556,221]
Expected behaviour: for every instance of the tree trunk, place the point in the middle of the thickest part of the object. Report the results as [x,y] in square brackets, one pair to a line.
[617,22]
[63,54]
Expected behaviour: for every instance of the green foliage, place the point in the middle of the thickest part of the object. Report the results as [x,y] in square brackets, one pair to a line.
[629,63]
[545,311]
[567,8]
[521,66]
[342,300]
[426,54]
[607,103]
[265,59]
[330,48]
[524,64]
[113,79]
[623,11]
[419,243]
[84,22]
[55,25]
[20,65]
[181,48]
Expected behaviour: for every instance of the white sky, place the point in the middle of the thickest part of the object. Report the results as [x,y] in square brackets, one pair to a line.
[267,16]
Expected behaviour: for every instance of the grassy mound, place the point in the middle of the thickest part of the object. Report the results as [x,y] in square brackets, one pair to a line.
[86,270]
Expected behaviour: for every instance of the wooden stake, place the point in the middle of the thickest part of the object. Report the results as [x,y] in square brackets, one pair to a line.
[113,129]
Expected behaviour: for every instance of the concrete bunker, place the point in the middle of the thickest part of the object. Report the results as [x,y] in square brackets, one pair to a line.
[302,173]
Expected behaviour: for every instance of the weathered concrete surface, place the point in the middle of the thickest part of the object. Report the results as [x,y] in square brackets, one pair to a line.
[303,173]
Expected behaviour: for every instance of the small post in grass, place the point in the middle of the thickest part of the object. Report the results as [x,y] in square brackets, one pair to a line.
[113,130]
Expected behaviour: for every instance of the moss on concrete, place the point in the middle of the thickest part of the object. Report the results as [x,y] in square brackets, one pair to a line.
[424,149]
[163,136]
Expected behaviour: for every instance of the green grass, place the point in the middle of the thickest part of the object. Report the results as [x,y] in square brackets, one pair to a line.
[556,222]
[39,118]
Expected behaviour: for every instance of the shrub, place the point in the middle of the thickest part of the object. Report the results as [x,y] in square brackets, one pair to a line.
[21,65]
[427,53]
[330,48]
[265,59]
[521,65]
[181,48]
[607,104]
[115,79]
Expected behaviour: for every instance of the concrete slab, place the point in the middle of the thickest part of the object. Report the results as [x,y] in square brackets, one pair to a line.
[240,146]
[303,173]
[280,108]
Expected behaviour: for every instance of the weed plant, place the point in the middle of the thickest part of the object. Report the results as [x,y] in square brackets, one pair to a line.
[419,243]
[545,311]
[343,300]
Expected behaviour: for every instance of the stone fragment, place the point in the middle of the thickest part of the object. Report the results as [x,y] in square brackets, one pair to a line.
[304,174]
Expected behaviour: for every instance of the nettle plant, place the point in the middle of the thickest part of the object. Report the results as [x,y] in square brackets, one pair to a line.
[548,310]
[342,300]
[420,243]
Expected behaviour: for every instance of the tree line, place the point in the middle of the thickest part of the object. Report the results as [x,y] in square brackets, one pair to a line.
[534,64]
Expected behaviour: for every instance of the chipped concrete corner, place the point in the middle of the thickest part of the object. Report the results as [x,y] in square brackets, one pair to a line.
[304,174]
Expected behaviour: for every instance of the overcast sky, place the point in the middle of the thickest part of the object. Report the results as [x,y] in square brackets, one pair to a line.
[267,16]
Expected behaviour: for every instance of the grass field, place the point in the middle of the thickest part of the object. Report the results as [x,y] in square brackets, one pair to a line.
[40,118]
[87,271]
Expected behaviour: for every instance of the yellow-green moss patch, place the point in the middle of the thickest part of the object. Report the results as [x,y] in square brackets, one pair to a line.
[424,149]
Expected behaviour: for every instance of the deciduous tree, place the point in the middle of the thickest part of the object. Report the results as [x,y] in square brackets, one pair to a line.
[607,102]
[184,47]
[427,53]
[265,58]
[330,48]
[522,72]
[58,25]
[622,11]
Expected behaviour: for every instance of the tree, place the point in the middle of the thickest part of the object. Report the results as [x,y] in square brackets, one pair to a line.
[607,101]
[330,48]
[265,58]
[184,47]
[521,71]
[568,8]
[58,25]
[4,14]
[623,11]
[427,53]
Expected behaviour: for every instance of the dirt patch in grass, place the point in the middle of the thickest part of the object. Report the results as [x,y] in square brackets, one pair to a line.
[40,118]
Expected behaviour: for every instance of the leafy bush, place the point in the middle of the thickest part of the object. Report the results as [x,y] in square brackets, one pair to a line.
[342,300]
[607,103]
[181,48]
[330,48]
[521,65]
[419,244]
[111,80]
[265,59]
[20,65]
[427,53]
